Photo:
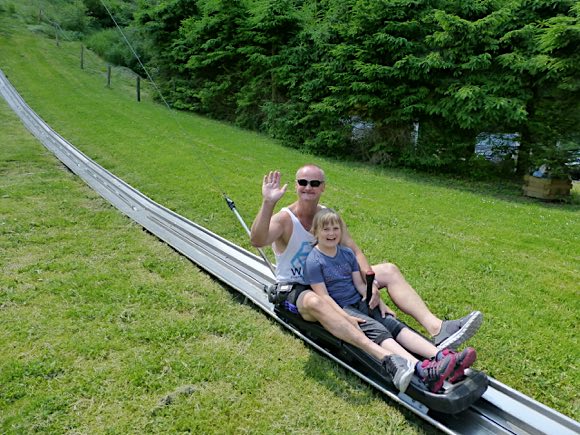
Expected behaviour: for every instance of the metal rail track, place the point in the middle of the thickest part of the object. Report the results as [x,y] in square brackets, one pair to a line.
[501,410]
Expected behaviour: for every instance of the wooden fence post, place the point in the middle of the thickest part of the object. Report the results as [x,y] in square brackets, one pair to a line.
[108,76]
[82,56]
[138,88]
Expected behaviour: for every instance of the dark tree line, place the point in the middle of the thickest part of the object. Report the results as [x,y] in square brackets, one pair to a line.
[402,82]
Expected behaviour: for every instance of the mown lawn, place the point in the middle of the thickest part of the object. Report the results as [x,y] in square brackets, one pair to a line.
[155,324]
[104,329]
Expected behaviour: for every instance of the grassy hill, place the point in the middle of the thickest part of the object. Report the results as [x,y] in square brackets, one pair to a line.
[103,325]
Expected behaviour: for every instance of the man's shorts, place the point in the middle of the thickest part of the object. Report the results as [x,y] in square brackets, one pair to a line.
[290,303]
[377,328]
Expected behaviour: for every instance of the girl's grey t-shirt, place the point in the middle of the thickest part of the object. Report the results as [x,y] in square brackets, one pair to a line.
[336,272]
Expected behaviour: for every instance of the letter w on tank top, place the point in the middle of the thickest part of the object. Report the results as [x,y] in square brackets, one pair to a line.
[290,263]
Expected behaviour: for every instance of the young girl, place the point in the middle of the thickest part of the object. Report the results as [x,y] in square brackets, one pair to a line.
[333,273]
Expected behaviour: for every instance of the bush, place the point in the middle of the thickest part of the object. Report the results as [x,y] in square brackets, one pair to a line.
[480,168]
[42,29]
[285,122]
[110,45]
[74,17]
[9,8]
[560,160]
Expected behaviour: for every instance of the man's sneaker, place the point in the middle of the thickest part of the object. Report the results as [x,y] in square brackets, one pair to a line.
[433,373]
[400,369]
[463,360]
[455,332]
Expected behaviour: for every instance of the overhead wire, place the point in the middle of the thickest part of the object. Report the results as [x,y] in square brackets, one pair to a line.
[158,90]
[217,179]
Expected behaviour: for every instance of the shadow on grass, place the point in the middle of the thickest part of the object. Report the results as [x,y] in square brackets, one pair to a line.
[351,389]
[337,379]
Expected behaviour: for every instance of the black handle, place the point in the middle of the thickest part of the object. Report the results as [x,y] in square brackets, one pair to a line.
[370,281]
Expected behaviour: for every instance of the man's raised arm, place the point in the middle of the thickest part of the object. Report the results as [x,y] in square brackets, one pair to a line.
[266,230]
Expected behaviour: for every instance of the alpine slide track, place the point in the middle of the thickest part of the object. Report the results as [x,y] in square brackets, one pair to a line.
[501,409]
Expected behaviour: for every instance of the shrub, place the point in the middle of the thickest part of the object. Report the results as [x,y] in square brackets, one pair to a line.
[110,45]
[42,29]
[74,17]
[9,8]
[107,44]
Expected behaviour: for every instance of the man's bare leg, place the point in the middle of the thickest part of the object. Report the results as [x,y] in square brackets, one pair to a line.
[313,309]
[405,297]
[446,334]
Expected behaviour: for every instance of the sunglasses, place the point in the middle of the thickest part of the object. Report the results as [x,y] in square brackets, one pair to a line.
[314,183]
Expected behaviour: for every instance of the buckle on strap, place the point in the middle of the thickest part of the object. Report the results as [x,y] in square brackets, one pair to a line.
[278,292]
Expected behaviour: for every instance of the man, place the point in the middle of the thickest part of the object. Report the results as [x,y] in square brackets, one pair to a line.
[288,233]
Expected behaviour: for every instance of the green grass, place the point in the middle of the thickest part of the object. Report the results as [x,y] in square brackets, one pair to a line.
[107,330]
[463,246]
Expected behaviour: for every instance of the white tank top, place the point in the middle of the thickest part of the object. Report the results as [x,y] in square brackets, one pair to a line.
[290,263]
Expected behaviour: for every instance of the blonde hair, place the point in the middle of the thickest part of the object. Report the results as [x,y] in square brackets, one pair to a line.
[325,217]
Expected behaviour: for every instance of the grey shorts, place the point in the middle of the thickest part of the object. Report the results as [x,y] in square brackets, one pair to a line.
[376,328]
